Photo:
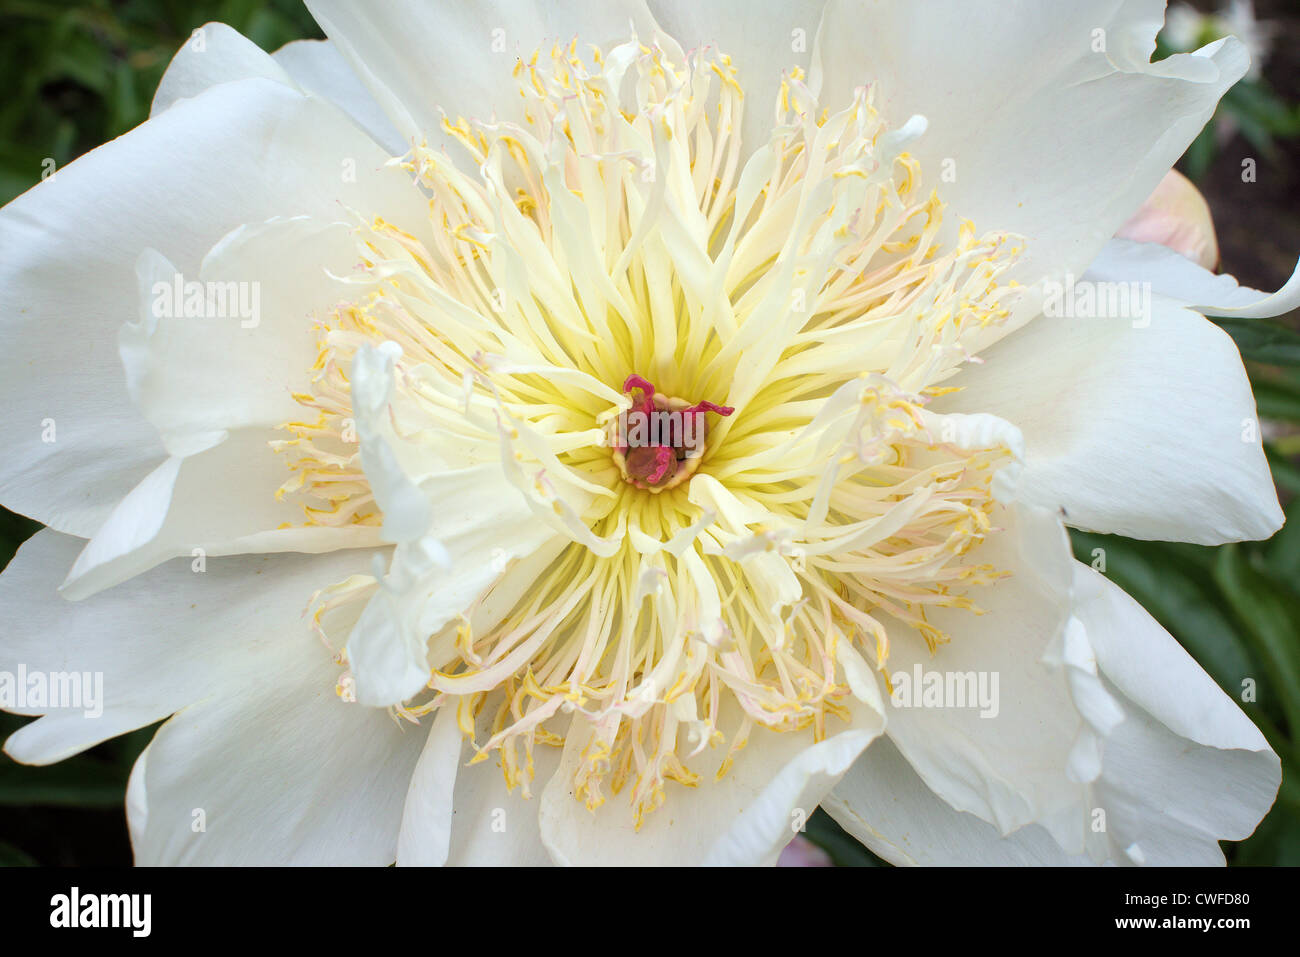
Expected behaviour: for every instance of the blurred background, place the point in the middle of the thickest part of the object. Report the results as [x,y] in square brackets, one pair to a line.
[81,73]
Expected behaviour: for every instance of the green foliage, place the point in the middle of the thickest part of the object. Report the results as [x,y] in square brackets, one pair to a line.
[843,848]
[81,73]
[1260,340]
[1251,108]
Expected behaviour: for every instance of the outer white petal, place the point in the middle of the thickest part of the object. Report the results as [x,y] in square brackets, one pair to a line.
[425,836]
[419,58]
[219,502]
[1168,802]
[195,377]
[239,153]
[215,53]
[1148,666]
[317,67]
[744,819]
[137,802]
[1186,768]
[161,642]
[1011,764]
[217,389]
[496,827]
[1144,427]
[208,380]
[1043,132]
[283,771]
[883,803]
[1178,278]
[1182,769]
[218,54]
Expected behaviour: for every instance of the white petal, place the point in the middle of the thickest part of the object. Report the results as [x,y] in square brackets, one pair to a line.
[228,377]
[1178,278]
[883,804]
[744,819]
[387,648]
[1182,766]
[1143,427]
[425,835]
[317,67]
[480,523]
[492,826]
[214,53]
[195,376]
[137,801]
[457,56]
[407,511]
[1005,762]
[1148,666]
[283,771]
[241,152]
[1168,801]
[1185,768]
[1043,133]
[456,529]
[161,642]
[219,502]
[763,826]
[495,827]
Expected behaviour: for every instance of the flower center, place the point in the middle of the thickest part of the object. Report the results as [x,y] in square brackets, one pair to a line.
[659,442]
[812,285]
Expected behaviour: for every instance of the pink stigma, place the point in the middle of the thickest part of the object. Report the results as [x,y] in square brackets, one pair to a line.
[654,463]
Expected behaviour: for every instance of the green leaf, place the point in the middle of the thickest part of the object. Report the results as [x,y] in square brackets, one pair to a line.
[1198,159]
[1254,99]
[1282,553]
[1275,843]
[1271,617]
[1263,341]
[82,781]
[1285,472]
[71,783]
[1277,399]
[1258,135]
[844,850]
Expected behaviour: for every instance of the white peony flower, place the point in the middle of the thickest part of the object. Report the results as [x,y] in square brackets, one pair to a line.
[358,326]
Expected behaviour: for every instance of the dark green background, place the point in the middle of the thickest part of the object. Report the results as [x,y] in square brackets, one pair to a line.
[78,74]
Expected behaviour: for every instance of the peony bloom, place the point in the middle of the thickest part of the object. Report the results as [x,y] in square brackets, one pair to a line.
[369,327]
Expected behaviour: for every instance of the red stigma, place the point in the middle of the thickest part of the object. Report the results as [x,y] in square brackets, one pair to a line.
[654,462]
